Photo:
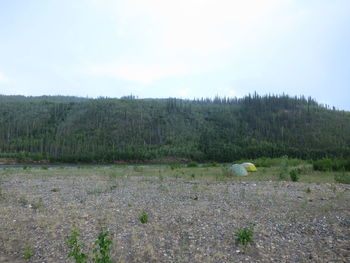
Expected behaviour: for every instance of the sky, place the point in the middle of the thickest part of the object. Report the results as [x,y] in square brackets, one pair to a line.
[183,48]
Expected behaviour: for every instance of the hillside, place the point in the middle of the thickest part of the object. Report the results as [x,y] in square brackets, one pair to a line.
[70,129]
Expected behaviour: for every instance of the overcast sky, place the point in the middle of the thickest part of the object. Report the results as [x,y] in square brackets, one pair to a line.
[177,48]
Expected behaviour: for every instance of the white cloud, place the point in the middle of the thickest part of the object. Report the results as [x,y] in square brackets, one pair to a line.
[173,38]
[140,73]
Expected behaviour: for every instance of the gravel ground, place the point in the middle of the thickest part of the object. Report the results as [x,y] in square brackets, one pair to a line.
[189,220]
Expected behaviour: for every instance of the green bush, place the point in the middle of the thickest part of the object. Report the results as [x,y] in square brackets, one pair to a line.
[244,236]
[294,175]
[192,164]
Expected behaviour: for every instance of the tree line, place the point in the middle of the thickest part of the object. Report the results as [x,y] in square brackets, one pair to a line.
[71,129]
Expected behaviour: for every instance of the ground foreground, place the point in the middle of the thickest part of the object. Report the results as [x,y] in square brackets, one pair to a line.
[191,218]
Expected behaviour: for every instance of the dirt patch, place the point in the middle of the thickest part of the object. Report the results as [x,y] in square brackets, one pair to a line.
[189,221]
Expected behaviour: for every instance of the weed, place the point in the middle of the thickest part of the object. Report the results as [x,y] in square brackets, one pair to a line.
[102,253]
[75,247]
[193,175]
[244,236]
[44,167]
[143,217]
[28,253]
[25,167]
[55,189]
[308,190]
[195,198]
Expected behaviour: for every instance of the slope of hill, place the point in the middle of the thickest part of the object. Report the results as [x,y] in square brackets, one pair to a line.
[70,129]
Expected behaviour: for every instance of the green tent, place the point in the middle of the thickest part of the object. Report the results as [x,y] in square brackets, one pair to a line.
[238,170]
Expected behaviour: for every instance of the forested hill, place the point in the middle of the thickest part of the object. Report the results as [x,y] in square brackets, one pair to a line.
[70,129]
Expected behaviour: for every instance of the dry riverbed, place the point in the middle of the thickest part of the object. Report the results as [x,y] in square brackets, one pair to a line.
[190,220]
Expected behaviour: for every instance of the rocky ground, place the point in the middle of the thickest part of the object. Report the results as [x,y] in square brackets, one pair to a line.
[189,220]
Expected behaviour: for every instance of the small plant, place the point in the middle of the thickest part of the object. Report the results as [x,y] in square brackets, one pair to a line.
[102,253]
[193,175]
[28,253]
[75,247]
[244,236]
[294,175]
[192,164]
[308,190]
[44,167]
[143,217]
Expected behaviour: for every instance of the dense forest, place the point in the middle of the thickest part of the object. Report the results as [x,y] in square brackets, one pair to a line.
[71,129]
